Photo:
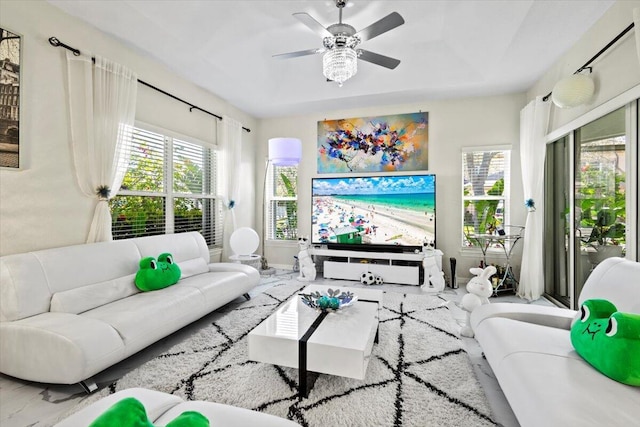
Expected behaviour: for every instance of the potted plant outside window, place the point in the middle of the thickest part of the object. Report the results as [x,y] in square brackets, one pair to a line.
[606,235]
[602,213]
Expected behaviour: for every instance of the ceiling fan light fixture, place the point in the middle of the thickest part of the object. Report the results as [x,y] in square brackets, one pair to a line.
[340,64]
[340,44]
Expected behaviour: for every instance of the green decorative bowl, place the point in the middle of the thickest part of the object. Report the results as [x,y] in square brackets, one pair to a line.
[331,300]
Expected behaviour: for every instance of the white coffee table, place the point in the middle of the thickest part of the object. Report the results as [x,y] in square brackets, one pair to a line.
[336,343]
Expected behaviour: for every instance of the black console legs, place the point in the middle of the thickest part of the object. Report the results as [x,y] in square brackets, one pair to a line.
[88,385]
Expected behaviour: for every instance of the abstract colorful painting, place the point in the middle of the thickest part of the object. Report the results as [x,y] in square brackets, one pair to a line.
[374,144]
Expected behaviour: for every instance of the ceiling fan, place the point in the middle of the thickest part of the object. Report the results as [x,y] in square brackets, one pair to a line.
[340,42]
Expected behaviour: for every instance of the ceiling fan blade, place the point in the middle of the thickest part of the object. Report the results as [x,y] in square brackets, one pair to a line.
[314,25]
[376,58]
[299,53]
[387,23]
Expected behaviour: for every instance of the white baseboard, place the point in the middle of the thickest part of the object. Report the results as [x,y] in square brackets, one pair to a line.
[282,266]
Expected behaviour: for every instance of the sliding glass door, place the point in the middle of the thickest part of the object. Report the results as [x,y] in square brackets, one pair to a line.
[557,202]
[599,188]
[590,214]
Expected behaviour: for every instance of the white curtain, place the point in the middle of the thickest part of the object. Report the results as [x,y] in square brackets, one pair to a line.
[231,151]
[102,105]
[534,120]
[636,28]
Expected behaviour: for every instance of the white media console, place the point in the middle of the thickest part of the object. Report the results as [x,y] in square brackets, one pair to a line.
[402,268]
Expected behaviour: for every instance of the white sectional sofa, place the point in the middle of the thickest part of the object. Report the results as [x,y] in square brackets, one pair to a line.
[161,408]
[68,313]
[545,381]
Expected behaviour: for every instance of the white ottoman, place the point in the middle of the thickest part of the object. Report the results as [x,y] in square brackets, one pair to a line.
[162,408]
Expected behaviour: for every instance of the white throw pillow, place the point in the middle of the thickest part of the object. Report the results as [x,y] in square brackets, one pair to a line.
[85,298]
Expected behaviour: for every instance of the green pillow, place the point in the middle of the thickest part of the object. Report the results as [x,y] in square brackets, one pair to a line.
[609,340]
[189,419]
[130,412]
[157,274]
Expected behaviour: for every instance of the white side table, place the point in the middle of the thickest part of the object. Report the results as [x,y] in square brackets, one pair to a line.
[250,260]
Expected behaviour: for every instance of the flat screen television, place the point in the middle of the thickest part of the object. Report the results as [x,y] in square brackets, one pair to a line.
[377,213]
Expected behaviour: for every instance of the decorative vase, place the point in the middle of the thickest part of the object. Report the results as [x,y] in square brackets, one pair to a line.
[603,252]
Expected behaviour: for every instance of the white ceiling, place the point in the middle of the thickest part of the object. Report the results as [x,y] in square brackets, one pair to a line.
[448,49]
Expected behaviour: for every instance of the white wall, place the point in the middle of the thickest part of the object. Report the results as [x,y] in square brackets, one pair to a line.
[453,124]
[41,205]
[614,72]
[471,122]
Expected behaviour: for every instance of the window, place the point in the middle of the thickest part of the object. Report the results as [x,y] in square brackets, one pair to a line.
[282,203]
[169,187]
[485,190]
[591,201]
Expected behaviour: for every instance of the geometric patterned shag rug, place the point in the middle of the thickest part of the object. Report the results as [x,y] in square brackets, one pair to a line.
[419,373]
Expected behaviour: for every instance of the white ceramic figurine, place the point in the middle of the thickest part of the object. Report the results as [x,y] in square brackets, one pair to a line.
[433,277]
[307,266]
[479,290]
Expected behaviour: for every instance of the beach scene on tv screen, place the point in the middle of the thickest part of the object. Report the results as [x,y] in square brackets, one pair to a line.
[389,210]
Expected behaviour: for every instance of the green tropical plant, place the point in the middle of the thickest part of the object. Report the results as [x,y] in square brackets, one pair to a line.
[603,212]
[605,228]
[287,227]
[134,216]
[484,220]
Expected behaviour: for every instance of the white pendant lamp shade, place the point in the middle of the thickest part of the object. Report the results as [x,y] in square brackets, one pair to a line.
[285,151]
[244,241]
[572,91]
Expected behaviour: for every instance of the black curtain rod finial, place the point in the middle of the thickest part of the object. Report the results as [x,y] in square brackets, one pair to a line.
[57,43]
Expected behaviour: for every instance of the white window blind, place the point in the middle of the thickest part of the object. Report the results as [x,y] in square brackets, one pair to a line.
[194,191]
[282,203]
[139,209]
[168,187]
[145,171]
[485,190]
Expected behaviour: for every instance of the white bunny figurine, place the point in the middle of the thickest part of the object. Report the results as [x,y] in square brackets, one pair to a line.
[479,290]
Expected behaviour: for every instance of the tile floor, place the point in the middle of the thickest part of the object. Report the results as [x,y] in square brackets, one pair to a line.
[24,403]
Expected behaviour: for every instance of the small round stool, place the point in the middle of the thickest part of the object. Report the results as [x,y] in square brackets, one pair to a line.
[251,260]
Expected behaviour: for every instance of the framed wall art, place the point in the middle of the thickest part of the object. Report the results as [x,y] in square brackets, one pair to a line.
[10,46]
[393,143]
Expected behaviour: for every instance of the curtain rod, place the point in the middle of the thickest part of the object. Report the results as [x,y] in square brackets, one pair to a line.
[603,50]
[57,43]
